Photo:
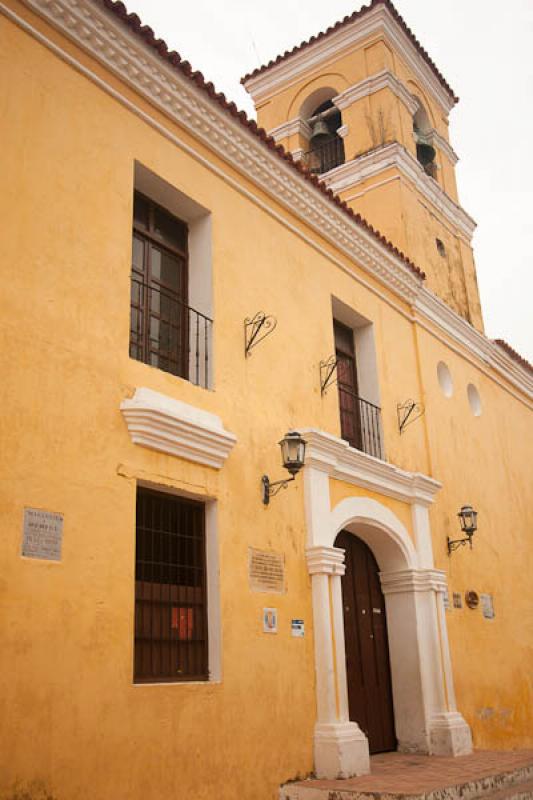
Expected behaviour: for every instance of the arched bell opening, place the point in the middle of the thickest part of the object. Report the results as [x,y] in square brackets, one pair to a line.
[423,133]
[326,147]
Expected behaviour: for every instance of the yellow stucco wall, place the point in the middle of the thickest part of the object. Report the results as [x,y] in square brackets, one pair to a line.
[70,714]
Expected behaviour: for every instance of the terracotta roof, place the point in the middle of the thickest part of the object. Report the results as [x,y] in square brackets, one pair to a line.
[173,58]
[343,23]
[514,355]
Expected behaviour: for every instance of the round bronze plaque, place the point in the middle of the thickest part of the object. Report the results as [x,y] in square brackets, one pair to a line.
[472,599]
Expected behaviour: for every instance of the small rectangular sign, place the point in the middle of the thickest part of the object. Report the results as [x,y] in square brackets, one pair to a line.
[42,534]
[446,600]
[487,606]
[270,620]
[266,571]
[297,628]
[457,600]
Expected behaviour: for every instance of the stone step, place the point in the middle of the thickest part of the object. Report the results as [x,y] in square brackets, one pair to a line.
[517,791]
[514,784]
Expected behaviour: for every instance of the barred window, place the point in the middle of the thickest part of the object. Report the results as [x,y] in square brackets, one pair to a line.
[170,589]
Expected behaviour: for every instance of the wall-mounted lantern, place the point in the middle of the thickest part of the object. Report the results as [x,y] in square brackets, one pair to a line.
[468,519]
[293,457]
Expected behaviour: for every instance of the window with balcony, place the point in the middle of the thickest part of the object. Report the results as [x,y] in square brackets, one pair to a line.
[170,320]
[360,413]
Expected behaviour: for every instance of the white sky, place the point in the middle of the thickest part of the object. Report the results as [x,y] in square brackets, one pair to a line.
[484,49]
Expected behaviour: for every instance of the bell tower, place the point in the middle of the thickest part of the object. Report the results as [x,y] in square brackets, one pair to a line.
[365,108]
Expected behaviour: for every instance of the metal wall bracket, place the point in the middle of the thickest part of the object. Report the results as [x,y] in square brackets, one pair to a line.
[408,412]
[327,368]
[256,329]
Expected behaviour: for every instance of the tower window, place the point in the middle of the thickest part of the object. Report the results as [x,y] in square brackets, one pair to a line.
[326,146]
[440,247]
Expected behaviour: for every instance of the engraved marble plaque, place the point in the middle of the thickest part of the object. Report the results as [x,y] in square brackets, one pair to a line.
[266,571]
[42,534]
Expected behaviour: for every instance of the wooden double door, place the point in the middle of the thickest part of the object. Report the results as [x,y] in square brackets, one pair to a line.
[367,650]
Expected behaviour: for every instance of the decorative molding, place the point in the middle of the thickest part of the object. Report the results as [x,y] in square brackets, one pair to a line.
[381,80]
[98,33]
[436,311]
[377,22]
[289,128]
[445,147]
[343,131]
[328,453]
[395,155]
[413,580]
[179,429]
[325,560]
[105,38]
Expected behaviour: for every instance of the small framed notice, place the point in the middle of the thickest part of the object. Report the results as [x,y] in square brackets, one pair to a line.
[42,535]
[270,620]
[487,606]
[297,628]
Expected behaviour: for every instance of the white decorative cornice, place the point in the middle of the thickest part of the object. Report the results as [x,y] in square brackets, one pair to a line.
[343,131]
[170,426]
[289,128]
[106,39]
[322,560]
[413,580]
[381,80]
[377,22]
[395,155]
[445,147]
[328,453]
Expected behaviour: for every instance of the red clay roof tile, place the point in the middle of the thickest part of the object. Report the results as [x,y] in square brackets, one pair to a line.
[514,355]
[346,21]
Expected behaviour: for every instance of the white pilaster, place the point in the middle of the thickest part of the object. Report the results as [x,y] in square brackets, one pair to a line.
[341,748]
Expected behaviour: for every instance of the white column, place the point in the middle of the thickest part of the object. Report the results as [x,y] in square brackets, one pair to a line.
[424,701]
[341,748]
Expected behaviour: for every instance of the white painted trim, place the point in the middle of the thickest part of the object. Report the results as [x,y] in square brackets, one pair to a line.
[170,426]
[420,664]
[334,456]
[374,83]
[377,23]
[289,128]
[343,131]
[396,156]
[325,560]
[360,247]
[446,147]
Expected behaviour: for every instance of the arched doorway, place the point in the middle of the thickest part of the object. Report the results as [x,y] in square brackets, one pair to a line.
[368,672]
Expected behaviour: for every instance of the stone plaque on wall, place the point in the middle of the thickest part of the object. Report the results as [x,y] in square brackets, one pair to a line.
[42,534]
[266,571]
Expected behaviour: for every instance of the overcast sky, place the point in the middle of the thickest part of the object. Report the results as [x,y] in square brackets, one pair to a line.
[484,49]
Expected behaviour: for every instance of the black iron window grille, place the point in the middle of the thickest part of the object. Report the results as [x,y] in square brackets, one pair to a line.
[325,157]
[170,589]
[165,331]
[360,423]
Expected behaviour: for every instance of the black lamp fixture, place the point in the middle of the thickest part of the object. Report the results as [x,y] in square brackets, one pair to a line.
[293,456]
[468,519]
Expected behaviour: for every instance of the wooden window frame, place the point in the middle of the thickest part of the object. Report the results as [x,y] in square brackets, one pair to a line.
[141,338]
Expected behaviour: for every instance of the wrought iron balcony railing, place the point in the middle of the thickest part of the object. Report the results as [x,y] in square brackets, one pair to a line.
[360,423]
[327,156]
[167,333]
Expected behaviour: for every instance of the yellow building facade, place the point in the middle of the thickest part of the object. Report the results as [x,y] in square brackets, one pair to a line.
[178,295]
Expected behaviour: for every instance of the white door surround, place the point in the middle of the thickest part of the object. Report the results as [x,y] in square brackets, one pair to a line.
[426,717]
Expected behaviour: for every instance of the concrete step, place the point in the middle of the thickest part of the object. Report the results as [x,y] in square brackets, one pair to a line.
[514,784]
[517,791]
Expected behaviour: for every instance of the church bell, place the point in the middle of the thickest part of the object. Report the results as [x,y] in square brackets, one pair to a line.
[320,129]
